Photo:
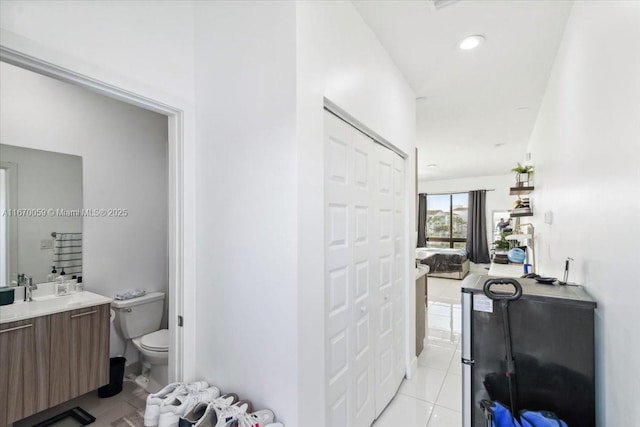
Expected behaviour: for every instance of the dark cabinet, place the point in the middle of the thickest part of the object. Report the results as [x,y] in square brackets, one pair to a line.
[79,352]
[24,372]
[50,359]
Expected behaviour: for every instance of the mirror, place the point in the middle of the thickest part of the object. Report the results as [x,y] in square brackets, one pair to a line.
[497,218]
[41,213]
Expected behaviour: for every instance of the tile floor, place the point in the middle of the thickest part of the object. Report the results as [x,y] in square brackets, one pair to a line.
[433,397]
[125,409]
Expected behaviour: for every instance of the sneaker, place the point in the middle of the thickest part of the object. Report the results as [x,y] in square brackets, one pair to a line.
[198,415]
[217,416]
[256,419]
[154,400]
[172,409]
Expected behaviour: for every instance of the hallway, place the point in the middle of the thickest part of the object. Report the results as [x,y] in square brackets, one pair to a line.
[433,397]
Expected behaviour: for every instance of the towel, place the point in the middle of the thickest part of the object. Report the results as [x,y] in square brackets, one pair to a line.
[130,294]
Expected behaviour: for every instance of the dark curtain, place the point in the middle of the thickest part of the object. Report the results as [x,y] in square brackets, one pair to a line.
[422,220]
[477,246]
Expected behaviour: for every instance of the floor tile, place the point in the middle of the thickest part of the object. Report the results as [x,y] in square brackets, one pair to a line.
[455,368]
[440,338]
[113,412]
[129,402]
[405,411]
[436,357]
[444,417]
[425,384]
[135,419]
[451,393]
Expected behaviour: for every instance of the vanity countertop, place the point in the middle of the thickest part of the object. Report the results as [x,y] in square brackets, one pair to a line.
[421,270]
[50,304]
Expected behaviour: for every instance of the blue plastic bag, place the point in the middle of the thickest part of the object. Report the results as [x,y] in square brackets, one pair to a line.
[540,419]
[501,417]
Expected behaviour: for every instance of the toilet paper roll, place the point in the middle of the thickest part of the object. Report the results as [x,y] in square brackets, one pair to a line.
[112,315]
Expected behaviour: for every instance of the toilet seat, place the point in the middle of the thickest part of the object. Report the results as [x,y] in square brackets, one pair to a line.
[156,341]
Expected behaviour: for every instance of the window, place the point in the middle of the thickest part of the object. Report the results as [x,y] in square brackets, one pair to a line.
[446,223]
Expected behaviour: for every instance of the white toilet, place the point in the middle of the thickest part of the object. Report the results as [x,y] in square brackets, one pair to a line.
[138,319]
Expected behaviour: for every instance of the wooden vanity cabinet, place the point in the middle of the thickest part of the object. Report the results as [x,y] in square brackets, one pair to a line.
[48,360]
[79,352]
[24,368]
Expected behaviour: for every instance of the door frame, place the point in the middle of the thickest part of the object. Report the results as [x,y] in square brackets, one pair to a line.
[180,366]
[411,362]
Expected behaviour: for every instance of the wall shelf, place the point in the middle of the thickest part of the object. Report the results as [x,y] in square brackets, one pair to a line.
[518,191]
[520,214]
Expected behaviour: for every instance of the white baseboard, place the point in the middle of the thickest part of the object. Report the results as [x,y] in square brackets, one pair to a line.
[412,368]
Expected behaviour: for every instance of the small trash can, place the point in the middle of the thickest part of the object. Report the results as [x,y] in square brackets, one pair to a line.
[116,378]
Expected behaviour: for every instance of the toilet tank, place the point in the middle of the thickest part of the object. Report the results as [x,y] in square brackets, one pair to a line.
[139,316]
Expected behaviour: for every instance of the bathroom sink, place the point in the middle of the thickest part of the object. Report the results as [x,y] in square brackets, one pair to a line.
[49,304]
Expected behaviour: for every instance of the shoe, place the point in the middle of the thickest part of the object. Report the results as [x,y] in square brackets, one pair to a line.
[256,419]
[172,409]
[219,416]
[154,400]
[198,415]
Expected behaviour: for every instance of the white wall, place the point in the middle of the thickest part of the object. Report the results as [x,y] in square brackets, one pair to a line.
[338,57]
[497,200]
[261,254]
[124,161]
[246,253]
[141,45]
[586,151]
[146,49]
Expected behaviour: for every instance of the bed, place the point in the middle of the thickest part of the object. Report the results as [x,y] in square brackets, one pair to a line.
[447,263]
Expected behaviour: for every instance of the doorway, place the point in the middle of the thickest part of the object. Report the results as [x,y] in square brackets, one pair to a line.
[173,207]
[364,274]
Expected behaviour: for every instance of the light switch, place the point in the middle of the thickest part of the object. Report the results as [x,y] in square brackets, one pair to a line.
[548,217]
[46,244]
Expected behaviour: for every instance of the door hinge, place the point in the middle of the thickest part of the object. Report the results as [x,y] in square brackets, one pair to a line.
[180,321]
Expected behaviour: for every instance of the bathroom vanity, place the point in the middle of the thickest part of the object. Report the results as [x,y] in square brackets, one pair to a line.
[51,350]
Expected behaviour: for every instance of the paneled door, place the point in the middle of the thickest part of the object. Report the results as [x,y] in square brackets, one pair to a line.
[385,297]
[361,287]
[398,270]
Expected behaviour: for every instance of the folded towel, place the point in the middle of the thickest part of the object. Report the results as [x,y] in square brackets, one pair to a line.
[130,294]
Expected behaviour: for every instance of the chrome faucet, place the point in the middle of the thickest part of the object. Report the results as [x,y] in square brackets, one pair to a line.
[29,286]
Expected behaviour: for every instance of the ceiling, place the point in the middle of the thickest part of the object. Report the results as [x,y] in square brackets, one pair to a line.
[469,101]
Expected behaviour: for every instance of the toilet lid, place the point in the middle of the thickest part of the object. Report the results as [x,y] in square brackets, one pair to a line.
[156,341]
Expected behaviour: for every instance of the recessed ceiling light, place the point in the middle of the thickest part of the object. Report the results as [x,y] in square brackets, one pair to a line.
[431,165]
[470,42]
[499,144]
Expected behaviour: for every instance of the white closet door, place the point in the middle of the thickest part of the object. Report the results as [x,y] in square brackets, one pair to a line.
[363,275]
[349,272]
[384,209]
[365,271]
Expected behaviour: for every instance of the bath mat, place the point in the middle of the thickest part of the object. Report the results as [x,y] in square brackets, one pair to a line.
[72,418]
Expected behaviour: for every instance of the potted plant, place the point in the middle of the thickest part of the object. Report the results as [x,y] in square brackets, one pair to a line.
[523,174]
[502,244]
